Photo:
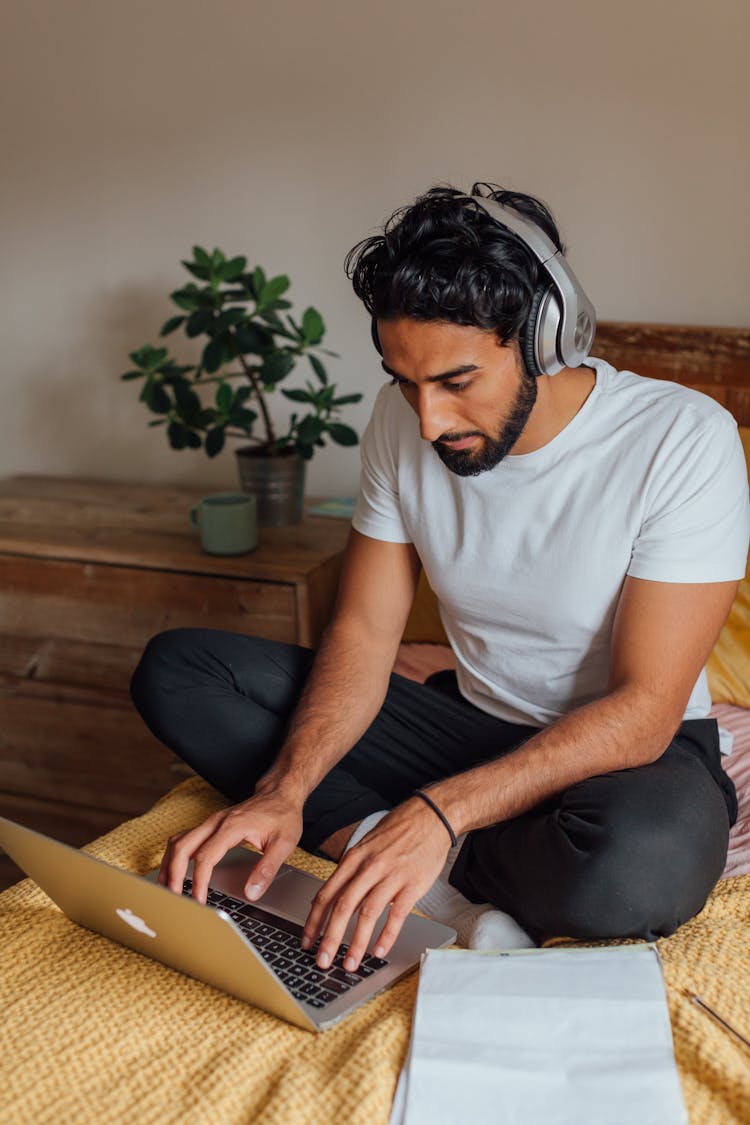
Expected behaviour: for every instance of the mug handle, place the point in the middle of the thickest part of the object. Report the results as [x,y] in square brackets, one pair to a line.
[194,516]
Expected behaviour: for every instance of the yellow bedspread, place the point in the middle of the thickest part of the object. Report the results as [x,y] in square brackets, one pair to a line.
[91,1032]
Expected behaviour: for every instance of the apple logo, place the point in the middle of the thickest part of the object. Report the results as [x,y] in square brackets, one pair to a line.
[136,922]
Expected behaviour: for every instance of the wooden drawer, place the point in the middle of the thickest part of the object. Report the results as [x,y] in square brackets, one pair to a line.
[98,603]
[89,572]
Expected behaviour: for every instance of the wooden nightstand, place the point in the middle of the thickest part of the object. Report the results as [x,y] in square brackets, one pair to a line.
[89,571]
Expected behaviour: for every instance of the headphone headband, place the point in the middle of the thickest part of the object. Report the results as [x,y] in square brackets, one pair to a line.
[561,329]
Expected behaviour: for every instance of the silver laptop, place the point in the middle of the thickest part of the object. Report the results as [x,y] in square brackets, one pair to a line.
[249,949]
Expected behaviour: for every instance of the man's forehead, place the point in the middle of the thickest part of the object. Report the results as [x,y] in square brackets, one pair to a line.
[435,351]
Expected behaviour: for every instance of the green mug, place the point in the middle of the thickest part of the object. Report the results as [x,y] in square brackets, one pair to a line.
[227,522]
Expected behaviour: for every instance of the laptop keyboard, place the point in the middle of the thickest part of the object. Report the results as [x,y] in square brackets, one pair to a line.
[278,943]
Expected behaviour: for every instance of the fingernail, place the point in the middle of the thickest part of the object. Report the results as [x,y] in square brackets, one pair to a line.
[254,890]
[306,943]
[324,960]
[350,964]
[379,951]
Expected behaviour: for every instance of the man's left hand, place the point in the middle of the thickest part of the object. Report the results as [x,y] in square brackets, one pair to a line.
[396,863]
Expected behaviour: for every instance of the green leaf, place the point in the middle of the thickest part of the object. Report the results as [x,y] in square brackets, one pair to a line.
[199,322]
[259,280]
[305,449]
[194,440]
[242,394]
[296,396]
[201,256]
[188,403]
[217,259]
[276,324]
[213,355]
[187,298]
[171,324]
[231,270]
[149,357]
[156,398]
[229,318]
[273,289]
[345,400]
[252,339]
[243,418]
[276,367]
[206,417]
[312,326]
[318,368]
[157,422]
[310,429]
[133,375]
[224,397]
[215,441]
[341,434]
[201,272]
[172,373]
[177,435]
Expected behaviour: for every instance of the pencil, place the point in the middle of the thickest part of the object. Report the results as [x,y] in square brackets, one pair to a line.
[715,1015]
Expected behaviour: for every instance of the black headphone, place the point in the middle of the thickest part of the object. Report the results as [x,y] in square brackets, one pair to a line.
[562,321]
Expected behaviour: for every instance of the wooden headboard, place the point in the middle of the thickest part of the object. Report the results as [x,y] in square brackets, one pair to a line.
[713,360]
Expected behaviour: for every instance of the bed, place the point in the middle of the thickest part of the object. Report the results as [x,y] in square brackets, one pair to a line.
[91,1032]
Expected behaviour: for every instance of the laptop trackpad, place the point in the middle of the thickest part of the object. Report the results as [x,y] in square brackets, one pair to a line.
[291,892]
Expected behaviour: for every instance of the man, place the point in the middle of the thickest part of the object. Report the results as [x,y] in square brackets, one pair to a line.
[584,531]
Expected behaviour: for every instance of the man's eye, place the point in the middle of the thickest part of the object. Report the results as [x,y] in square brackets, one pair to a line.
[458,386]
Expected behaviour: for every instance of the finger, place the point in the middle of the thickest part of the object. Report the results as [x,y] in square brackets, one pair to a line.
[342,909]
[321,904]
[166,860]
[267,867]
[397,915]
[372,907]
[180,849]
[227,835]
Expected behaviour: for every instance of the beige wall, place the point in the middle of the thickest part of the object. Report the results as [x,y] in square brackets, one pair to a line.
[288,130]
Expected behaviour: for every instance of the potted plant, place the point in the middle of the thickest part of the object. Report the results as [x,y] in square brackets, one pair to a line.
[252,338]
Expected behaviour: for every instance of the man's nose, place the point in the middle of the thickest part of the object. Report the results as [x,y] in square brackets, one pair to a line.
[435,418]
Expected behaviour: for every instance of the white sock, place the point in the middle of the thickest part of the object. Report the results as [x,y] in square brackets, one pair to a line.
[478,925]
[363,828]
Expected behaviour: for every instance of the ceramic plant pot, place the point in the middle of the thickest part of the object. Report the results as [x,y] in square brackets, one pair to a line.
[278,482]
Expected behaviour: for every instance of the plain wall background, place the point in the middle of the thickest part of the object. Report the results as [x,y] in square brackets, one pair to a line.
[290,130]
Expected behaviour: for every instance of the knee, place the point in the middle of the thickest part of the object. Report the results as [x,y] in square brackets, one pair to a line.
[167,662]
[648,870]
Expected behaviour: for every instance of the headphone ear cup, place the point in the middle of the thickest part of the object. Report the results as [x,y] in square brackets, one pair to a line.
[540,344]
[529,338]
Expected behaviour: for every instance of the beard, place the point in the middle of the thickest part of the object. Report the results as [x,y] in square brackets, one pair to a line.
[469,463]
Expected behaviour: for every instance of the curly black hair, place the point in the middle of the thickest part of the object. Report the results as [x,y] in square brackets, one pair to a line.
[444,258]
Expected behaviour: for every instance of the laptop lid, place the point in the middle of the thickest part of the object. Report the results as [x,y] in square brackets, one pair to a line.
[198,940]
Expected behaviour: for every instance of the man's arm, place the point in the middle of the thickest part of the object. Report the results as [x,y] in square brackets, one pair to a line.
[349,678]
[344,693]
[662,636]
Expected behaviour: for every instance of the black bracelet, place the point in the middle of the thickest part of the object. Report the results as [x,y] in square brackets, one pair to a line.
[433,806]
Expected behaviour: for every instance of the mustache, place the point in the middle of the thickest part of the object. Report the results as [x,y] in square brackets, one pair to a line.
[458,436]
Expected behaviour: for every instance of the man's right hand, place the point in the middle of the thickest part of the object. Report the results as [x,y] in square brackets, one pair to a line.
[270,820]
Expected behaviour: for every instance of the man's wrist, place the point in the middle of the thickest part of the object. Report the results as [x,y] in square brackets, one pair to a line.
[285,782]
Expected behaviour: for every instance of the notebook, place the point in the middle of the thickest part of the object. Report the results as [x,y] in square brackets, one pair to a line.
[250,950]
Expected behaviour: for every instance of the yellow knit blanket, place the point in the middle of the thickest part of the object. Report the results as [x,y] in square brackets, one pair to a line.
[91,1032]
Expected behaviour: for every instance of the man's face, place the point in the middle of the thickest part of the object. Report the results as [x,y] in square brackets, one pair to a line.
[471,394]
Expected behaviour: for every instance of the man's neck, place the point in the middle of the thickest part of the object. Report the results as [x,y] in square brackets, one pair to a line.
[559,398]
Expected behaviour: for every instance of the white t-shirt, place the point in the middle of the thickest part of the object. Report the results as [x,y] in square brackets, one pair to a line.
[528,559]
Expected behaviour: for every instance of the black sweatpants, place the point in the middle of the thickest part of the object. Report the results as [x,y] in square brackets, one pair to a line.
[633,853]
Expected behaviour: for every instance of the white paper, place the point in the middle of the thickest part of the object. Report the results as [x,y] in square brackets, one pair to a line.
[559,1036]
